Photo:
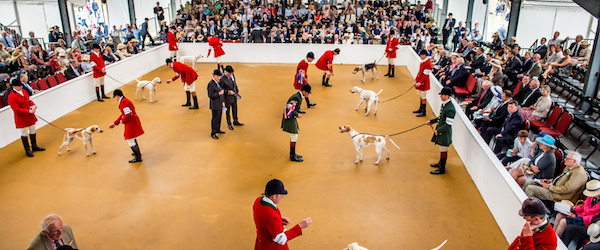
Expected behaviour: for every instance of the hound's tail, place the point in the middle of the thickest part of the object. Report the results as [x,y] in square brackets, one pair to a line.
[379,92]
[137,80]
[440,246]
[387,137]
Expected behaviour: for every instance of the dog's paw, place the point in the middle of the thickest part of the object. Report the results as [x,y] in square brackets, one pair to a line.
[144,97]
[356,162]
[376,163]
[87,155]
[95,153]
[68,149]
[136,97]
[366,114]
[58,153]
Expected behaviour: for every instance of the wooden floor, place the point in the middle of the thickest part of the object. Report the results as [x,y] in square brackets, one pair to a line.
[194,192]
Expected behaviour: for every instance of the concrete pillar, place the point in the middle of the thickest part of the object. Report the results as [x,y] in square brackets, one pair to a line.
[593,75]
[131,12]
[64,18]
[444,11]
[470,14]
[515,11]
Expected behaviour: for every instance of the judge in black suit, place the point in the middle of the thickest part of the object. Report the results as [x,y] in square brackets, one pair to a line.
[542,49]
[458,75]
[231,94]
[215,93]
[482,100]
[508,131]
[530,95]
[498,115]
[478,59]
[447,28]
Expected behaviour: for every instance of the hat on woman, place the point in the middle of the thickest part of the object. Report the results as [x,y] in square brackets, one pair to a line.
[497,91]
[85,58]
[547,140]
[496,63]
[592,188]
[121,46]
[593,231]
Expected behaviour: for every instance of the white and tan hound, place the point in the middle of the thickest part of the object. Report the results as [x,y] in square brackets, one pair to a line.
[366,67]
[149,85]
[364,140]
[191,59]
[82,134]
[367,95]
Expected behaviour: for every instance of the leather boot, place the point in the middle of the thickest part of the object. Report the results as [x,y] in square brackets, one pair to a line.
[195,102]
[102,92]
[323,81]
[423,110]
[393,71]
[138,155]
[98,96]
[327,83]
[34,146]
[187,97]
[308,104]
[389,70]
[418,110]
[441,168]
[26,146]
[293,155]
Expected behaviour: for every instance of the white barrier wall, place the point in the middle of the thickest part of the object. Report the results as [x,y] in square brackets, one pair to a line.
[71,95]
[500,192]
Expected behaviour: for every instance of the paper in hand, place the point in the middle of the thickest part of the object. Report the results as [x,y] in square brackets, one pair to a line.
[562,208]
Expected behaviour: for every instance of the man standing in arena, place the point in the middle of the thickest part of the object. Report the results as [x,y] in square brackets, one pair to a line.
[99,72]
[215,93]
[390,52]
[25,119]
[188,76]
[325,63]
[231,94]
[133,126]
[422,82]
[216,44]
[301,77]
[443,132]
[172,40]
[289,123]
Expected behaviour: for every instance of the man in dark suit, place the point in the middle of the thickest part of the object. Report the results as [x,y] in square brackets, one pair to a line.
[159,12]
[458,76]
[231,94]
[215,93]
[542,49]
[505,135]
[447,28]
[498,115]
[478,59]
[256,35]
[482,100]
[530,95]
[519,93]
[144,33]
[513,66]
[72,71]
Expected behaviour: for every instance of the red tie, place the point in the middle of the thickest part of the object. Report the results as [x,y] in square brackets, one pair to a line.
[481,97]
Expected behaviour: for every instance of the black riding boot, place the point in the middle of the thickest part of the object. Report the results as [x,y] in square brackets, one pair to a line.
[187,103]
[103,94]
[308,104]
[136,152]
[327,83]
[323,81]
[393,71]
[441,166]
[34,146]
[423,110]
[195,102]
[418,110]
[389,70]
[26,146]
[98,96]
[293,155]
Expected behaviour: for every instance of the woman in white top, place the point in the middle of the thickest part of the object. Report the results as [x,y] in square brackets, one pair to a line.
[540,109]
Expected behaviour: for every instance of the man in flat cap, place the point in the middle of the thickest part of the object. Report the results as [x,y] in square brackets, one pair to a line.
[537,232]
[270,233]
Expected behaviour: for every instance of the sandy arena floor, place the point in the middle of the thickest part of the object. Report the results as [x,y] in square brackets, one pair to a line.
[194,192]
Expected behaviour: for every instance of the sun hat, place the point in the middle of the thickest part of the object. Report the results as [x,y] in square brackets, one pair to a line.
[496,63]
[593,231]
[547,140]
[592,188]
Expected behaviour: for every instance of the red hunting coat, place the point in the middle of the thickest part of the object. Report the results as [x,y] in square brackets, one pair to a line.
[133,126]
[20,105]
[423,75]
[393,45]
[269,224]
[188,75]
[216,44]
[325,60]
[301,74]
[543,239]
[97,59]
[172,40]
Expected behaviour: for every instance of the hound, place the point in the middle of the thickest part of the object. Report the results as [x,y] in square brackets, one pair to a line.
[364,140]
[149,85]
[82,134]
[190,59]
[366,67]
[367,95]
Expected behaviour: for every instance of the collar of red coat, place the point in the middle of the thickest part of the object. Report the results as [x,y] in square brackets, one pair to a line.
[267,202]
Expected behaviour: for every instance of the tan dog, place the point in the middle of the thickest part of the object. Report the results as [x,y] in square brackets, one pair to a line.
[191,59]
[364,140]
[149,85]
[82,134]
[369,96]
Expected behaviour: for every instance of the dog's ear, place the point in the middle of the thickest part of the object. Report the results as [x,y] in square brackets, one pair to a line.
[347,128]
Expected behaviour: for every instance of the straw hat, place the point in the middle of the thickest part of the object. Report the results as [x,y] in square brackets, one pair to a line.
[497,91]
[496,34]
[85,58]
[69,50]
[592,188]
[121,46]
[496,63]
[593,231]
[585,43]
[135,40]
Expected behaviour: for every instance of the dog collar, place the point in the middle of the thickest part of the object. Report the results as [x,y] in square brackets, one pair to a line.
[360,91]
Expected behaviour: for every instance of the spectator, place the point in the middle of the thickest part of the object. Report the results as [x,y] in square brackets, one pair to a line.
[554,54]
[108,56]
[530,95]
[537,230]
[521,149]
[32,40]
[535,70]
[540,166]
[72,70]
[78,43]
[62,44]
[583,214]
[458,75]
[555,40]
[122,51]
[482,100]
[509,129]
[561,68]
[86,66]
[583,57]
[4,54]
[540,109]
[513,66]
[54,234]
[542,49]
[6,41]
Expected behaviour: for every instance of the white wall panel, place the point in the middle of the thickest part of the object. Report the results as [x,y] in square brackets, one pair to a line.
[458,8]
[118,13]
[33,18]
[8,13]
